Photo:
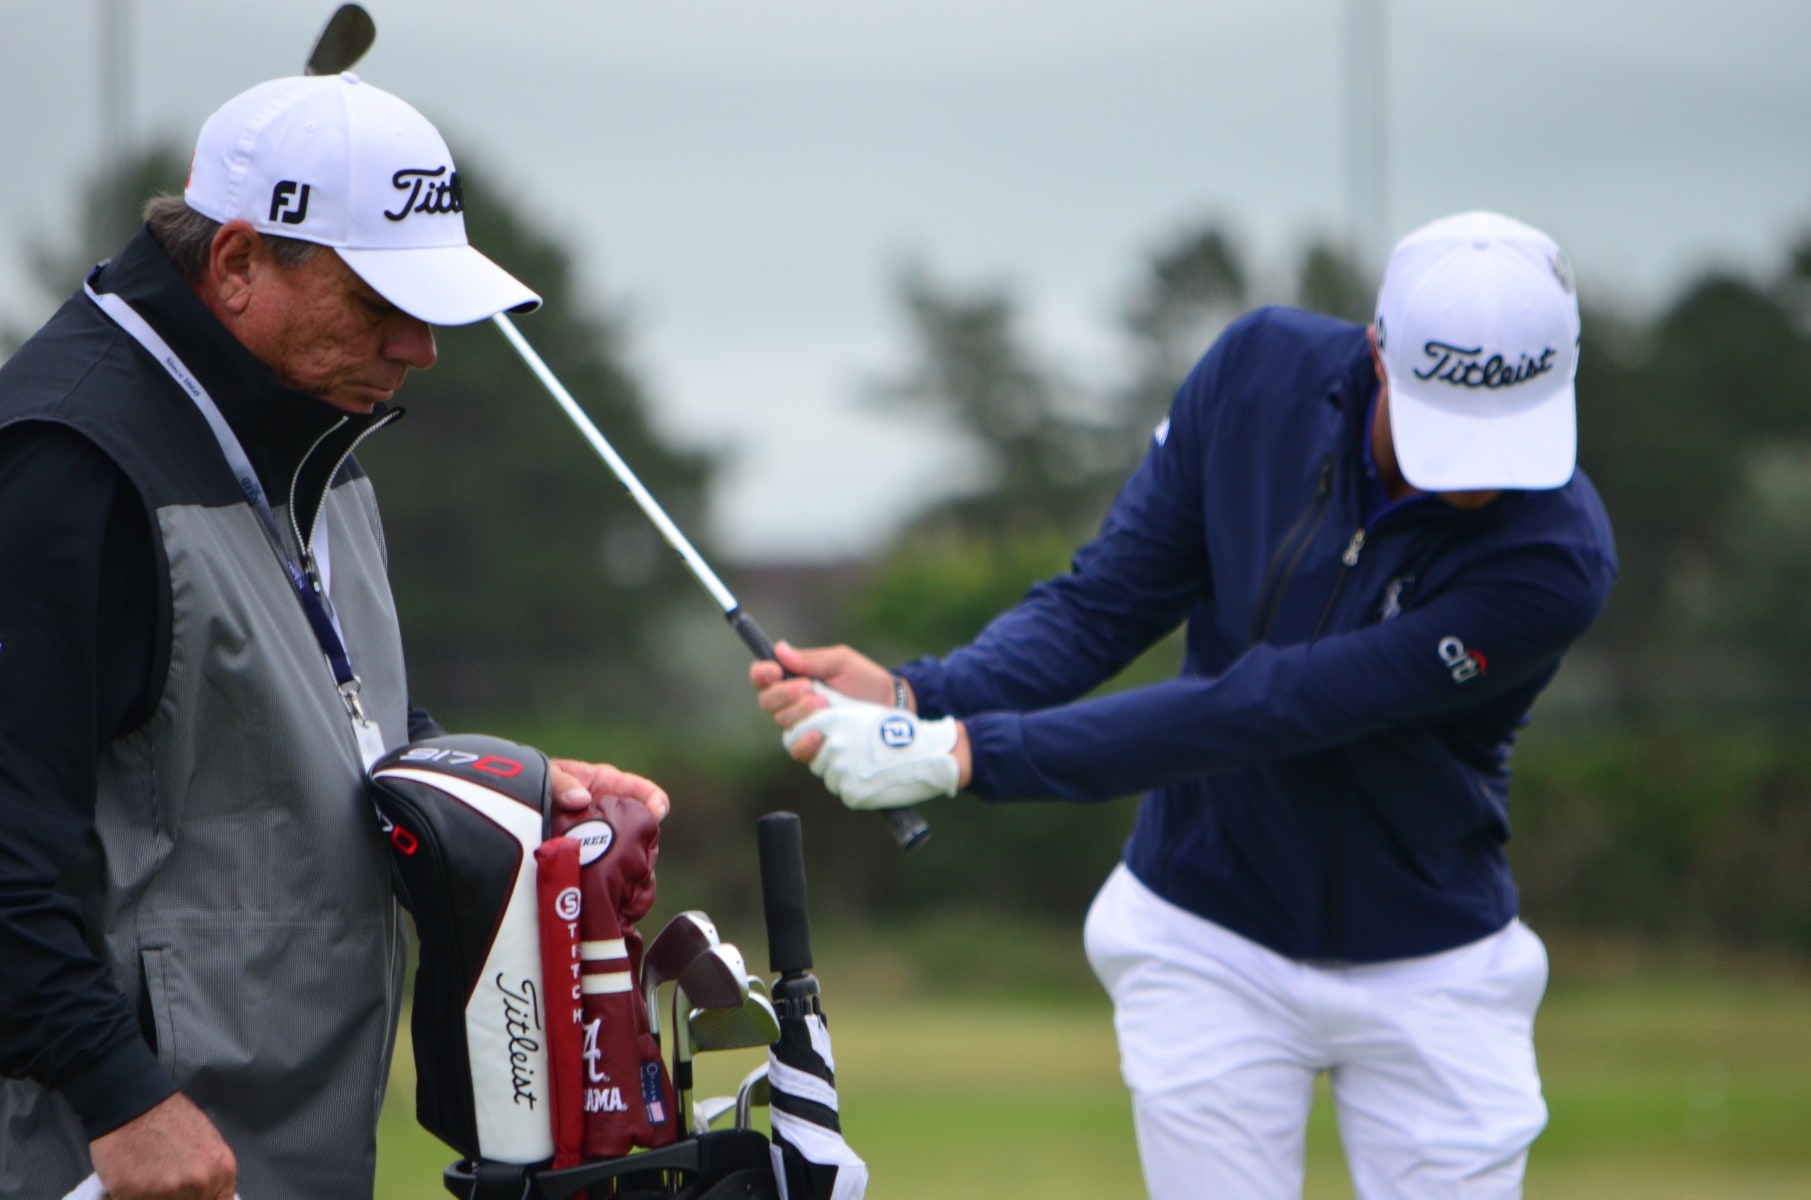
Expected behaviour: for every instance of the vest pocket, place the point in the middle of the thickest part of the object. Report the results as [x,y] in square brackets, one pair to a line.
[154,961]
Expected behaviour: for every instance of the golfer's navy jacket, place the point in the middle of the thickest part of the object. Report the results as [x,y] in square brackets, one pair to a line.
[1328,776]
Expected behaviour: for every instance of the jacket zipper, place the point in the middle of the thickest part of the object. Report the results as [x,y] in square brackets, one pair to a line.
[1289,553]
[1349,558]
[306,545]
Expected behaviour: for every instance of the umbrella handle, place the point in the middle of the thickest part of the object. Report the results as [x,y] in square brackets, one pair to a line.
[782,855]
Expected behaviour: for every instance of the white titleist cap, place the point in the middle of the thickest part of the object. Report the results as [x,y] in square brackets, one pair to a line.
[331,160]
[1477,326]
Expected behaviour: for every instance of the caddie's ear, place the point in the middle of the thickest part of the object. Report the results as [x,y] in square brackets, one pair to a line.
[1376,354]
[234,257]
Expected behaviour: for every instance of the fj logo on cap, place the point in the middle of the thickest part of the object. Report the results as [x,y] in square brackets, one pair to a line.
[289,202]
[427,192]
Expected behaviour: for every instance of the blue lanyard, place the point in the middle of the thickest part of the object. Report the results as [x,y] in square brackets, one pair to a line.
[308,588]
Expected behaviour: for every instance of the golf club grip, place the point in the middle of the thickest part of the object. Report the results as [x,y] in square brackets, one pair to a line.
[906,826]
[781,847]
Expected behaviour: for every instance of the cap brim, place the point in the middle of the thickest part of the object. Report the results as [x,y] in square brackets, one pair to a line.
[1439,450]
[442,285]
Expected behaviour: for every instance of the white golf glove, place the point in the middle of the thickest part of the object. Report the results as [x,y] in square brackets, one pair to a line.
[879,757]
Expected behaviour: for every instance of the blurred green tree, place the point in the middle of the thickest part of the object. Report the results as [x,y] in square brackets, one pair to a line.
[1035,441]
[1189,288]
[1329,281]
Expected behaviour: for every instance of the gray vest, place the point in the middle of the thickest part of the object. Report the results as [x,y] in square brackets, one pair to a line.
[237,884]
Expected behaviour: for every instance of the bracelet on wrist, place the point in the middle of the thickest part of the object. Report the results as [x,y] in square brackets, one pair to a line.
[900,698]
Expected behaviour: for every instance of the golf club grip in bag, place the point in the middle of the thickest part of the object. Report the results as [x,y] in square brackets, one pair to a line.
[781,852]
[464,815]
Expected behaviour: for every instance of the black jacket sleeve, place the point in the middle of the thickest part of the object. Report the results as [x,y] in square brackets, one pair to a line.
[77,638]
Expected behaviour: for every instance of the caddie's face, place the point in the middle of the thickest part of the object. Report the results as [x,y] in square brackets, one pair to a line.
[323,330]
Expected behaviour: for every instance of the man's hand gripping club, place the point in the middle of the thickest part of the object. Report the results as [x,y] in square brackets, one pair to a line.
[838,716]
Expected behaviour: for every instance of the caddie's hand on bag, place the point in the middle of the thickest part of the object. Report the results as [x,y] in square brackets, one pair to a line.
[879,757]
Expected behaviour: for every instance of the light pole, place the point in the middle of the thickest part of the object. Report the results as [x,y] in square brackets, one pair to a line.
[116,100]
[1366,129]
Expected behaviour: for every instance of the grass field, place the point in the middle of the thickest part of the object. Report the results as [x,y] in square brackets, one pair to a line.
[1662,1084]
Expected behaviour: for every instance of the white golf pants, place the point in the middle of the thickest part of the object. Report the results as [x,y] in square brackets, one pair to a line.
[1431,1060]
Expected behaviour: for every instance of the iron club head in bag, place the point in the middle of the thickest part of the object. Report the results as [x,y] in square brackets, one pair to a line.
[718,978]
[754,1023]
[674,948]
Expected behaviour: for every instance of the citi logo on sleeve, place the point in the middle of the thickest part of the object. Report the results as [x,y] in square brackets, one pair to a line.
[289,202]
[1464,665]
[427,190]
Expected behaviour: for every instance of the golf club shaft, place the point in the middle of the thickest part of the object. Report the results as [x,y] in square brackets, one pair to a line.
[906,826]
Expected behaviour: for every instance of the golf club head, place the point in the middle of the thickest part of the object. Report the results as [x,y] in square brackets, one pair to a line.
[344,40]
[751,1091]
[753,1024]
[718,978]
[674,948]
[707,1110]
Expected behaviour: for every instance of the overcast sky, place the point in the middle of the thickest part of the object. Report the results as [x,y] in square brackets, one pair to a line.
[743,175]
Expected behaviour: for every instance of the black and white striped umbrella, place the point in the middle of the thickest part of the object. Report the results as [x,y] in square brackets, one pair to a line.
[811,1159]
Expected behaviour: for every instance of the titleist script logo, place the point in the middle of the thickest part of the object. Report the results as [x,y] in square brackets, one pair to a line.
[521,1019]
[427,191]
[1464,366]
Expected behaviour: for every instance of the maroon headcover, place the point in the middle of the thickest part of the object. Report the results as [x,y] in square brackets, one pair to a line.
[628,1097]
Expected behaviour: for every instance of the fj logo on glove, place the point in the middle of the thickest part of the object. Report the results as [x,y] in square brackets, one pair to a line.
[896,732]
[1464,664]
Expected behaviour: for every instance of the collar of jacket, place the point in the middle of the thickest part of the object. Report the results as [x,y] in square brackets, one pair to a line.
[277,426]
